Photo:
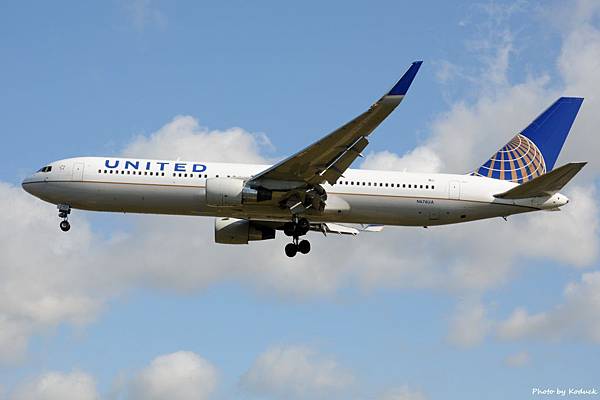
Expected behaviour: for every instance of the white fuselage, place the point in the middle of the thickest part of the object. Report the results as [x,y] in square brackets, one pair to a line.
[361,196]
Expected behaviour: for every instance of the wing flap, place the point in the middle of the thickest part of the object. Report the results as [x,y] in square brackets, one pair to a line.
[335,170]
[544,185]
[340,229]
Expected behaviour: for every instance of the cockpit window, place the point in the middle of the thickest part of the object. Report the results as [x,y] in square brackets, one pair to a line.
[47,168]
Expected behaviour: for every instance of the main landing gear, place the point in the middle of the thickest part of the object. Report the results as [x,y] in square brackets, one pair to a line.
[295,229]
[63,212]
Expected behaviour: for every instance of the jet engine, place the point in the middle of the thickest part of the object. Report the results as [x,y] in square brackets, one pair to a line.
[231,192]
[240,231]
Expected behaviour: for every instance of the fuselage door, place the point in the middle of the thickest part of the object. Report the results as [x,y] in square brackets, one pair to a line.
[78,171]
[454,190]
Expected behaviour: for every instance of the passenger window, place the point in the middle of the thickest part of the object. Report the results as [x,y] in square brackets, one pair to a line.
[386,185]
[111,171]
[426,186]
[421,187]
[433,187]
[99,171]
[128,172]
[404,185]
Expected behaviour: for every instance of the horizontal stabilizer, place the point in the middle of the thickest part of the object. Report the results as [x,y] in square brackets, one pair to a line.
[544,185]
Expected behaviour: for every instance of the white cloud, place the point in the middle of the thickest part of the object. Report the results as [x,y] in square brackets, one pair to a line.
[57,386]
[403,393]
[182,375]
[295,372]
[517,360]
[185,139]
[42,283]
[578,317]
[421,159]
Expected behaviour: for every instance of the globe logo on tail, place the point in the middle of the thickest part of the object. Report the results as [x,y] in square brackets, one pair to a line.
[520,160]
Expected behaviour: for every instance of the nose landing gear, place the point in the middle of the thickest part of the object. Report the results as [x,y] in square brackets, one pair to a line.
[295,229]
[63,212]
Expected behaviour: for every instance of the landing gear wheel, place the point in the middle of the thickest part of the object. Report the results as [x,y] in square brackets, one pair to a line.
[304,246]
[289,229]
[303,226]
[65,226]
[291,249]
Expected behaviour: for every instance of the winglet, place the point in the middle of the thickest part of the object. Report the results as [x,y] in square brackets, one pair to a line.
[403,84]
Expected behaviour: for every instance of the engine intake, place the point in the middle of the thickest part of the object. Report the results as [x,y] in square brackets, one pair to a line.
[231,192]
[240,231]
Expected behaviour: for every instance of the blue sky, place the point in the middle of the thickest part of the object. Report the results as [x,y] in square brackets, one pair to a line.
[405,315]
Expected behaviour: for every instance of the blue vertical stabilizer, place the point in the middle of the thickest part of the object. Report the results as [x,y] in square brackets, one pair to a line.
[534,151]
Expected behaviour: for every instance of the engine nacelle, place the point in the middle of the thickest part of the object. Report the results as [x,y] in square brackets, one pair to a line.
[231,192]
[240,231]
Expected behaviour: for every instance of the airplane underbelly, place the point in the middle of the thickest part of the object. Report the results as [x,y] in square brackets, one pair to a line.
[414,211]
[134,198]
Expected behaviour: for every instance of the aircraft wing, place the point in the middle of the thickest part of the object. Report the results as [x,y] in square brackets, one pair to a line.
[328,158]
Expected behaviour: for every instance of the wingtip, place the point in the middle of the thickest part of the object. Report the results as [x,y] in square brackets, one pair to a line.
[404,83]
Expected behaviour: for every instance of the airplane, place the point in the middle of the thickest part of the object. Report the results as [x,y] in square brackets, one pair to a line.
[315,190]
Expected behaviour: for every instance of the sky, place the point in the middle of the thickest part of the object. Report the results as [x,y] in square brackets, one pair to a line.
[148,307]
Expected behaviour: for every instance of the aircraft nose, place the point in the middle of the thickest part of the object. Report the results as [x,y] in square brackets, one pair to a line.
[24,184]
[28,186]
